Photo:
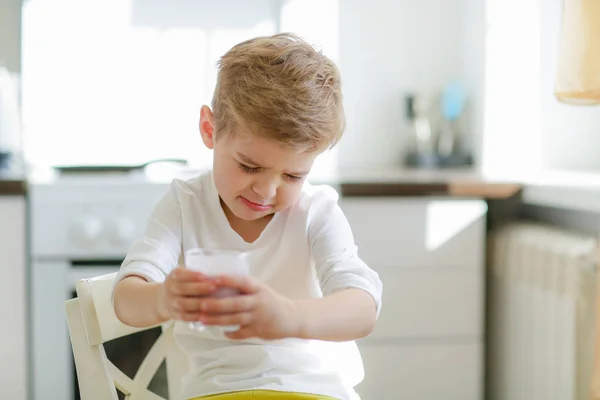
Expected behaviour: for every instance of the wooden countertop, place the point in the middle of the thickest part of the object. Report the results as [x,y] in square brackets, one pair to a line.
[365,181]
[377,182]
[13,182]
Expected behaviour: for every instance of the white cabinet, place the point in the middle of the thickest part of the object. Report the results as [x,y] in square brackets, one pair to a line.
[421,371]
[13,333]
[429,253]
[430,302]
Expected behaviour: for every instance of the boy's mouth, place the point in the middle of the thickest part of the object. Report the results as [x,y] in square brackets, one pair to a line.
[255,206]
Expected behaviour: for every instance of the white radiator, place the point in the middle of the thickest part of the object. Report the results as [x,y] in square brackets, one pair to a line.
[542,302]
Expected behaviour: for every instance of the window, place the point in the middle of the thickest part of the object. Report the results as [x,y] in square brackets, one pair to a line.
[122,81]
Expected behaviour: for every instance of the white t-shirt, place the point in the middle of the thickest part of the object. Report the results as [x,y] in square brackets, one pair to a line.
[306,251]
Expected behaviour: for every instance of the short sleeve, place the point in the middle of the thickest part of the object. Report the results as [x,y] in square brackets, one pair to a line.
[155,254]
[334,251]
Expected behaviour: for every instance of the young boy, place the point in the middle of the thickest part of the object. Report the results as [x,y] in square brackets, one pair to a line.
[276,106]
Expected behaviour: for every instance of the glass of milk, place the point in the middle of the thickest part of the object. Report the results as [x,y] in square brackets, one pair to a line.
[214,263]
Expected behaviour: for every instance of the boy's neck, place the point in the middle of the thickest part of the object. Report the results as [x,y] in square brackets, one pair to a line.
[249,231]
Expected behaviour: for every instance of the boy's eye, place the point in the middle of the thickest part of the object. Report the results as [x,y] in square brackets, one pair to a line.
[294,178]
[248,169]
[252,170]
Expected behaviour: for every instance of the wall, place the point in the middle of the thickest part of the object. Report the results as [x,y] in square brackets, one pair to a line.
[391,47]
[10,74]
[10,34]
[473,30]
[510,140]
[570,135]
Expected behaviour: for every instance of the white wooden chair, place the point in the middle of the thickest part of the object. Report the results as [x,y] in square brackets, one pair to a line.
[92,322]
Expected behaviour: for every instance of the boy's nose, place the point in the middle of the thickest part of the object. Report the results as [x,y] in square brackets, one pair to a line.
[265,189]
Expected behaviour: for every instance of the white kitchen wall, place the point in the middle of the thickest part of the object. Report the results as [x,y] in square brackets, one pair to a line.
[389,48]
[473,35]
[10,75]
[570,134]
[10,35]
[511,138]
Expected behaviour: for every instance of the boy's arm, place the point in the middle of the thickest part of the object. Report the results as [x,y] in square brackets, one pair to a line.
[136,302]
[346,315]
[351,290]
[144,304]
[148,262]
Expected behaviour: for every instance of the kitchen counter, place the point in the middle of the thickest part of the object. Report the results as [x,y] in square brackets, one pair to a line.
[13,182]
[365,181]
[381,182]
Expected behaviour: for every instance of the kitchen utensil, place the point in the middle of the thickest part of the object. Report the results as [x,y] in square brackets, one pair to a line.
[453,101]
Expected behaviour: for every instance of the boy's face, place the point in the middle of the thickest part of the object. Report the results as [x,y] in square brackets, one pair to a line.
[254,176]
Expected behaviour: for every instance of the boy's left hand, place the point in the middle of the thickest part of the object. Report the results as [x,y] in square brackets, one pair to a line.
[259,310]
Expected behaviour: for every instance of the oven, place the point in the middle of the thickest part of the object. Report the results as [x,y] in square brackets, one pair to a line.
[80,231]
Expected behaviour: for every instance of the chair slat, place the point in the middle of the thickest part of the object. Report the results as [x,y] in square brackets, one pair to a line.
[120,380]
[154,358]
[101,323]
[92,371]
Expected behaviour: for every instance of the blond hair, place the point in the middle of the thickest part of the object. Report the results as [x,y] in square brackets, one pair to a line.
[280,88]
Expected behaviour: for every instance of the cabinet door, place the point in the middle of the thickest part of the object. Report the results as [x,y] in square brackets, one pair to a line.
[13,359]
[429,302]
[451,371]
[417,232]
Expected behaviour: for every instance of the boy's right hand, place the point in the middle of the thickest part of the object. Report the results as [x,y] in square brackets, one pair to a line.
[179,296]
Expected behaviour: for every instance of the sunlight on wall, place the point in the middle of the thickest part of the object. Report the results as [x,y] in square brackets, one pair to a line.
[512,117]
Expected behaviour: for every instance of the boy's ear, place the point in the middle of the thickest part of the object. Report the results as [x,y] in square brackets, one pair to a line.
[207,129]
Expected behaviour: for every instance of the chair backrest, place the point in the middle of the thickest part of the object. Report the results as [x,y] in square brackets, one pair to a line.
[92,322]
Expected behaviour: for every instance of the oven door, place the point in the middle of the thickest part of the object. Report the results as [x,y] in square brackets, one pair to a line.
[53,372]
[79,270]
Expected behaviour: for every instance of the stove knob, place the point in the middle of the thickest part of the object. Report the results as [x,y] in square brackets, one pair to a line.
[88,229]
[123,231]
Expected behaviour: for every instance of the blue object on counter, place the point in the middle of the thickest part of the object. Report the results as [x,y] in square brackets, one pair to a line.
[453,101]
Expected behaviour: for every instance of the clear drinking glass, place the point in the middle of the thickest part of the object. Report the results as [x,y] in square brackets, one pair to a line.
[213,263]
